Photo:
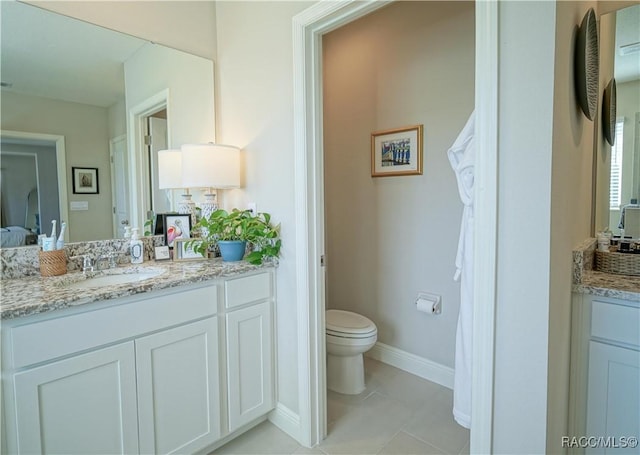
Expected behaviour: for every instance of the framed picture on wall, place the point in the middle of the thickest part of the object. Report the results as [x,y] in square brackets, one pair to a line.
[85,180]
[397,152]
[175,226]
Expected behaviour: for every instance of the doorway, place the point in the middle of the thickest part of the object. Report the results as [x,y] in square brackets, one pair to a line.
[52,197]
[149,124]
[308,29]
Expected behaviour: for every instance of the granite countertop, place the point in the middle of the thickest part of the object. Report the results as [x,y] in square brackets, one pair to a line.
[586,280]
[624,287]
[32,295]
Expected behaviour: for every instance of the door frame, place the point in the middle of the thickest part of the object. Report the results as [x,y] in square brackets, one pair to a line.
[112,142]
[308,28]
[138,162]
[61,165]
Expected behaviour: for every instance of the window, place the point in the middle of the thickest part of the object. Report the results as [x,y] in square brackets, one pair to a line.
[615,184]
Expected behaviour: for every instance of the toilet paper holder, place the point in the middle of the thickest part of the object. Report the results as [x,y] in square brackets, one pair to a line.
[429,303]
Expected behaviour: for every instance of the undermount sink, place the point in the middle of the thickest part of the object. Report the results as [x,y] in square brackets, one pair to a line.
[112,277]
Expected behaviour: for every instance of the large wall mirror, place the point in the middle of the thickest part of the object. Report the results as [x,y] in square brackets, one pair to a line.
[78,97]
[618,166]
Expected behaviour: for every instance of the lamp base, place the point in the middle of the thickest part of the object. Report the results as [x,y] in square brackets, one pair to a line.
[187,206]
[209,205]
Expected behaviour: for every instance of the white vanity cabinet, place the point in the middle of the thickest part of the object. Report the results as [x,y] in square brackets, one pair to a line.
[83,404]
[171,371]
[177,377]
[250,348]
[606,368]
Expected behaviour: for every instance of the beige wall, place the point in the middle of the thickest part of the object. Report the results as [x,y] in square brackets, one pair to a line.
[389,238]
[571,186]
[85,129]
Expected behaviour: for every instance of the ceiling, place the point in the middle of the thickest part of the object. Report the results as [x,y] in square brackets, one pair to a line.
[54,56]
[627,67]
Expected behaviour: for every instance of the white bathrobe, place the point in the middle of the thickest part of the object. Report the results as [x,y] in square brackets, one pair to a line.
[462,158]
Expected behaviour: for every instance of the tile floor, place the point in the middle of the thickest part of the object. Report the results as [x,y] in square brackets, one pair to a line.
[398,413]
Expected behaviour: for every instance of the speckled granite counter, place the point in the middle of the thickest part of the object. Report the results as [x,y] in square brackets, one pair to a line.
[589,281]
[32,295]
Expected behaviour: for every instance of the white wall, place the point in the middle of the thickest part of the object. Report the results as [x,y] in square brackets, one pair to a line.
[86,144]
[255,102]
[545,163]
[186,25]
[389,238]
[189,80]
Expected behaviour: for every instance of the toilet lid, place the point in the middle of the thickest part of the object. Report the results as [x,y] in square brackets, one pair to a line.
[347,322]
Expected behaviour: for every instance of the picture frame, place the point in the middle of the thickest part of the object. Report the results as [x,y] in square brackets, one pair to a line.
[85,180]
[397,151]
[182,251]
[162,253]
[175,226]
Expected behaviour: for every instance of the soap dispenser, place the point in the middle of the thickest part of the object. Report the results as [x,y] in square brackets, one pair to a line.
[136,248]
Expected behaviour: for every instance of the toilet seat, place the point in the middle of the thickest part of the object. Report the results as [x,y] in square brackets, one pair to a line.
[345,324]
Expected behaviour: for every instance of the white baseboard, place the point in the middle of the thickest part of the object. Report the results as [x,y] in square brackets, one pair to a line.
[287,420]
[411,363]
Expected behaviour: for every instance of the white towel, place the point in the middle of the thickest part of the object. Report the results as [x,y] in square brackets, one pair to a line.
[462,158]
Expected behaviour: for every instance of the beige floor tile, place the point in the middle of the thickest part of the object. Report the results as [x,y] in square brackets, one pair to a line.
[411,390]
[465,449]
[264,439]
[305,451]
[434,424]
[367,427]
[405,444]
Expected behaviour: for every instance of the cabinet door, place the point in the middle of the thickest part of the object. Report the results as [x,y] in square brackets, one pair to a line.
[249,364]
[178,388]
[613,408]
[82,405]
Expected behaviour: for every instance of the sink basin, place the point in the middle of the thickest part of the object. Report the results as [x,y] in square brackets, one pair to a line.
[112,277]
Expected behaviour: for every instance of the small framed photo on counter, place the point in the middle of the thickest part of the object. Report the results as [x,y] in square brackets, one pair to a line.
[183,251]
[175,226]
[162,253]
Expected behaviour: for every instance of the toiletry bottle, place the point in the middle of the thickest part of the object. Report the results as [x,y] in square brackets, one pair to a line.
[136,248]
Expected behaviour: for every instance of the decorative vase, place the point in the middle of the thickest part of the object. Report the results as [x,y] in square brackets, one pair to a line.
[187,207]
[232,250]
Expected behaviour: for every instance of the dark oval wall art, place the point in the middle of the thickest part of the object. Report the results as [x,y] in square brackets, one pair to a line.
[587,64]
[609,112]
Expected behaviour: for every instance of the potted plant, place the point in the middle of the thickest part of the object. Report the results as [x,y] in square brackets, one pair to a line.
[231,231]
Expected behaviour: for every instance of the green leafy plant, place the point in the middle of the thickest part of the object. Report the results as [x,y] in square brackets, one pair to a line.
[258,231]
[148,227]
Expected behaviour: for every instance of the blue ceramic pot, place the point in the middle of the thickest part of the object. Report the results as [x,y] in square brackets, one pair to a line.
[232,250]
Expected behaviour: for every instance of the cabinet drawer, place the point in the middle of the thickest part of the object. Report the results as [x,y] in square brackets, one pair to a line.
[615,322]
[52,338]
[248,289]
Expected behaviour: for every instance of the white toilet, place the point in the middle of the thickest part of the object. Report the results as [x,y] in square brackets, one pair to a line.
[349,335]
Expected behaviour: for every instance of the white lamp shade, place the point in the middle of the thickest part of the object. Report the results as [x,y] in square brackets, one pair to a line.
[210,166]
[170,169]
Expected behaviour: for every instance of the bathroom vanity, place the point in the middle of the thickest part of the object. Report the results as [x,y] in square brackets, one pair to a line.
[605,359]
[178,363]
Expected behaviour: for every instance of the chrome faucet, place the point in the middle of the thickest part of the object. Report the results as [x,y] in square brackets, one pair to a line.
[111,257]
[87,264]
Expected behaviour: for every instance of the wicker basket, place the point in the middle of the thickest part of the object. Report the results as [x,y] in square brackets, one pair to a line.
[619,263]
[53,263]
